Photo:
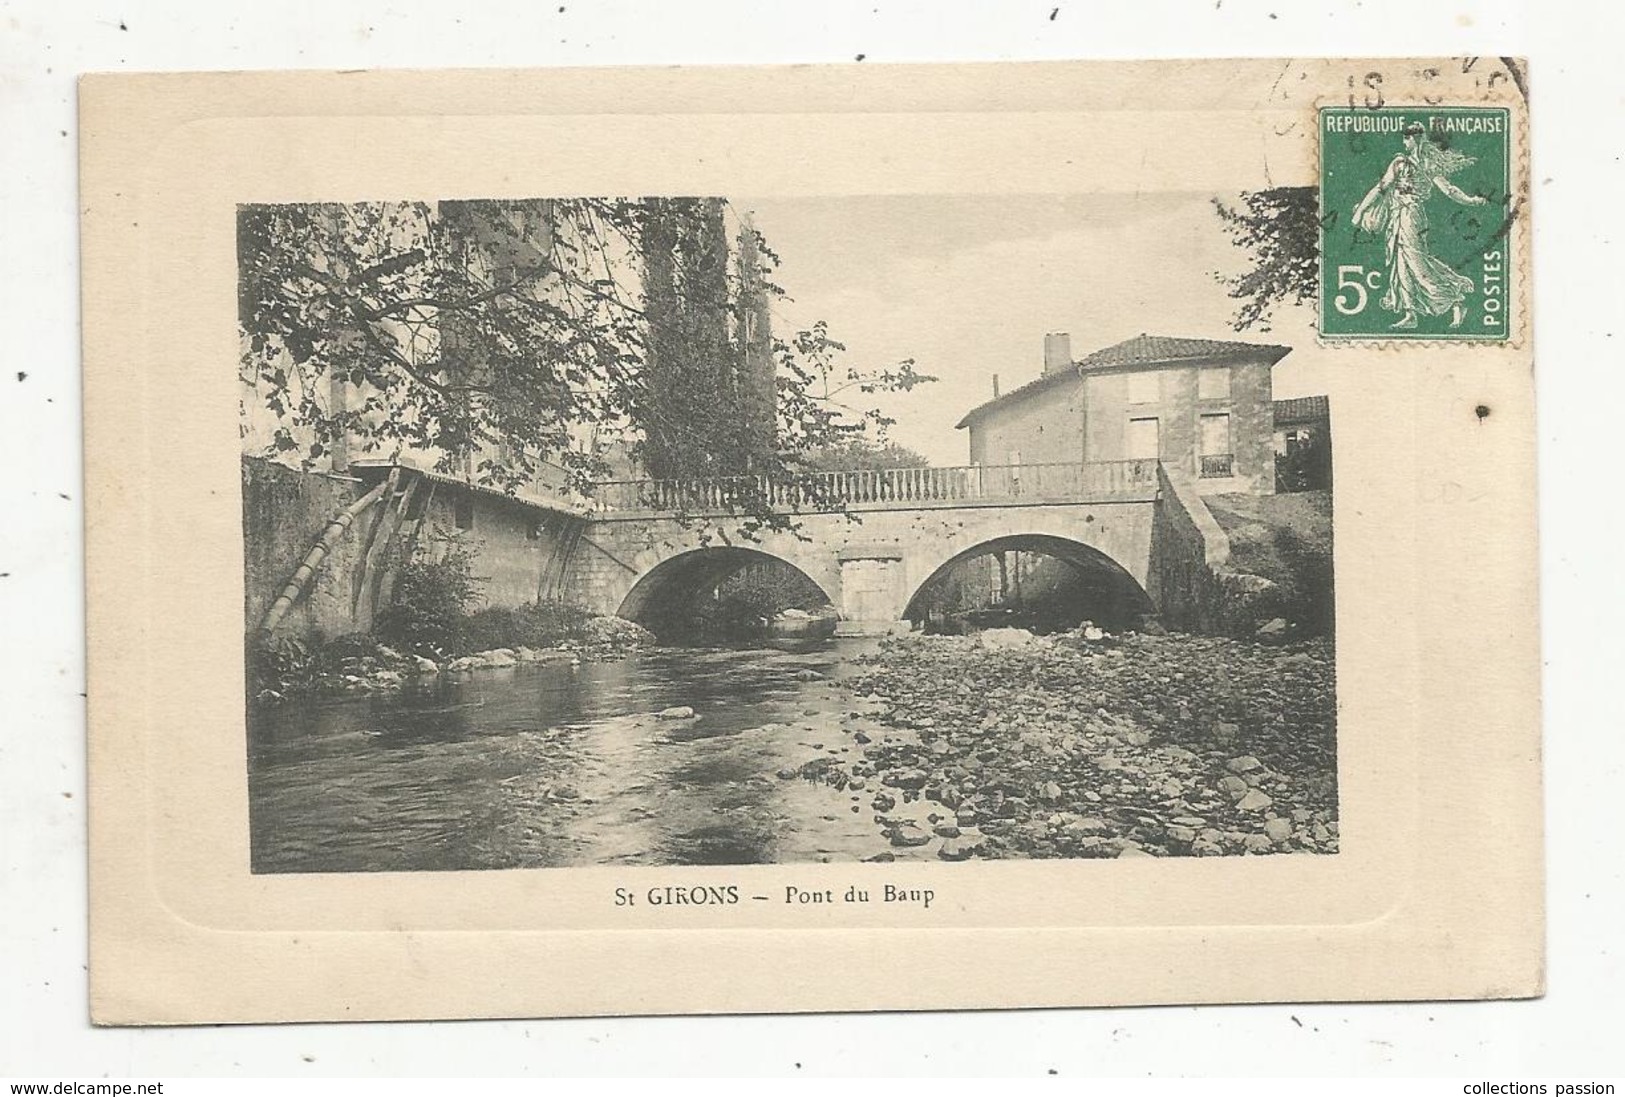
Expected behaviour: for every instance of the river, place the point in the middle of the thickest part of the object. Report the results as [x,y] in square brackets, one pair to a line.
[557,764]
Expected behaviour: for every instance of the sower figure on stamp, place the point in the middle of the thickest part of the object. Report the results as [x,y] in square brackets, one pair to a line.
[1418,281]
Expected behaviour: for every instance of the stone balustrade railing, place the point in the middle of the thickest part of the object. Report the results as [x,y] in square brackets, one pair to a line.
[884,487]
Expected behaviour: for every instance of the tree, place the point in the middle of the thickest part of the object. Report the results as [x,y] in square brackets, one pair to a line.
[1280,227]
[690,360]
[863,452]
[458,329]
[490,333]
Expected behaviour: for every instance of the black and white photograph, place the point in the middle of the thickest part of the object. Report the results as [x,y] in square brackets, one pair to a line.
[729,530]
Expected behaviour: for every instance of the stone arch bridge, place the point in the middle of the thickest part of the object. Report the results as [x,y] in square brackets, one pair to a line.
[872,540]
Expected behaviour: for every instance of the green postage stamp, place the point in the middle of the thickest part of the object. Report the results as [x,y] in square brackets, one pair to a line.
[1415,208]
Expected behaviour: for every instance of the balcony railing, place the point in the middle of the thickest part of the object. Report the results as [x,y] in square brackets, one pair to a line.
[882,487]
[1218,465]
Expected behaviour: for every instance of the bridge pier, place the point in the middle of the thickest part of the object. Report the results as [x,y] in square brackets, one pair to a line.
[873,589]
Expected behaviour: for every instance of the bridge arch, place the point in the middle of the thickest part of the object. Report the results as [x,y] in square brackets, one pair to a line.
[1106,591]
[657,597]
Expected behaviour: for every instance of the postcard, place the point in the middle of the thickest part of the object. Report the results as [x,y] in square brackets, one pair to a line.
[830,538]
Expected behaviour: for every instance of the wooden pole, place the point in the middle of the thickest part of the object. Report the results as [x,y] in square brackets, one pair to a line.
[313,560]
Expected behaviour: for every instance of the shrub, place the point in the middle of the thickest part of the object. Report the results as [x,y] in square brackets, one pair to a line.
[333,654]
[555,620]
[1312,581]
[279,663]
[1301,591]
[430,602]
[491,627]
[544,624]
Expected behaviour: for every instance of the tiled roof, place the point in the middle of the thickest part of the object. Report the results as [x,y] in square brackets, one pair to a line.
[1302,409]
[1142,350]
[1158,349]
[521,496]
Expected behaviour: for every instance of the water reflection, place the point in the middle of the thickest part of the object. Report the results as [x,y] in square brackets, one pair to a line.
[559,765]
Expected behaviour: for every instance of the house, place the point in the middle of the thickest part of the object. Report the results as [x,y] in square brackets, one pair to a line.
[1303,444]
[1203,406]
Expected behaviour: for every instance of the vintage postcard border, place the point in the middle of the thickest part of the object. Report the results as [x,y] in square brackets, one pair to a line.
[1433,696]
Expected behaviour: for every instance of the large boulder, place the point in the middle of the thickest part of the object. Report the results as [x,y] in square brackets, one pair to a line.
[615,630]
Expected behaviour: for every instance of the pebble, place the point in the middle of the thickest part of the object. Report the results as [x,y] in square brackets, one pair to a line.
[907,834]
[1254,801]
[1019,740]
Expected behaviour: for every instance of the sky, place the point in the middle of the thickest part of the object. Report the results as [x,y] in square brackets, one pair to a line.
[967,286]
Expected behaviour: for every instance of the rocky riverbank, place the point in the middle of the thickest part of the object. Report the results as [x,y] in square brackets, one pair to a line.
[360,664]
[1089,745]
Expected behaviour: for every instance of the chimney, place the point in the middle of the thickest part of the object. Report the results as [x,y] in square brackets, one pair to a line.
[1057,352]
[995,386]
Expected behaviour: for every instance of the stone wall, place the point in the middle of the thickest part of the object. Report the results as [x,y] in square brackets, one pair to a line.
[1193,583]
[284,511]
[519,550]
[1252,430]
[1045,427]
[1178,409]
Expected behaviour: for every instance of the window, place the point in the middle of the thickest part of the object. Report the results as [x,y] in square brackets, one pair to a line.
[464,512]
[1213,383]
[1215,446]
[1144,388]
[1144,440]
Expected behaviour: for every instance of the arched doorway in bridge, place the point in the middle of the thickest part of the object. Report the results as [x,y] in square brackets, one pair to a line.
[1034,581]
[721,594]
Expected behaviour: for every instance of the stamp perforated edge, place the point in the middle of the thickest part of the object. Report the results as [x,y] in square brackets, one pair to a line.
[1518,229]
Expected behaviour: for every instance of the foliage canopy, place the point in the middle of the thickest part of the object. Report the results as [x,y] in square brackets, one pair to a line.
[522,339]
[1280,228]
